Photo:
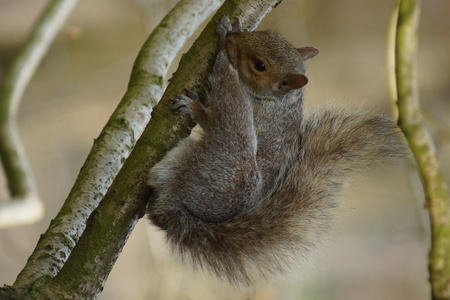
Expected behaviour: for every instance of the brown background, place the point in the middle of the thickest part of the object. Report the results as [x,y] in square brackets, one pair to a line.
[379,245]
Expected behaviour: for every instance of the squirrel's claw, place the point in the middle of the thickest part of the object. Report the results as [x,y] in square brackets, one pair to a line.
[224,27]
[237,25]
[191,94]
[187,104]
[180,104]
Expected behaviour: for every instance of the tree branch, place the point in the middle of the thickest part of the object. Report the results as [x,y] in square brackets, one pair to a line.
[25,207]
[412,124]
[117,138]
[111,223]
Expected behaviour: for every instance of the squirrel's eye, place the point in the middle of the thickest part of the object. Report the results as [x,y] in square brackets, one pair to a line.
[259,65]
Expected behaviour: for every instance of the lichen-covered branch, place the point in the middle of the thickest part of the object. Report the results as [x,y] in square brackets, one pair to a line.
[412,124]
[117,139]
[111,223]
[25,206]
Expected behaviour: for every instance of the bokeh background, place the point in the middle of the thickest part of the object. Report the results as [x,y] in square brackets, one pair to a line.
[378,248]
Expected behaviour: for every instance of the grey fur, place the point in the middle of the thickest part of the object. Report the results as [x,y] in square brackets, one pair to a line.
[258,190]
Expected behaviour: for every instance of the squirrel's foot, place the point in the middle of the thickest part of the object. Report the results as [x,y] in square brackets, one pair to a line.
[237,25]
[224,27]
[188,104]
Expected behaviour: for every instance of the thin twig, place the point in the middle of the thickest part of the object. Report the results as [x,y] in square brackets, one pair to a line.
[25,206]
[412,123]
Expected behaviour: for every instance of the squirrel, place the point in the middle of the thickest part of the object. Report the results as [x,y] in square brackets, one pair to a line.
[258,189]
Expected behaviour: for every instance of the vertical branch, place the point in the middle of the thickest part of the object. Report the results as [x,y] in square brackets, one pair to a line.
[390,58]
[25,207]
[412,124]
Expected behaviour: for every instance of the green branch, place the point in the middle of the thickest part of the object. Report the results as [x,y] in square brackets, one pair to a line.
[25,207]
[412,124]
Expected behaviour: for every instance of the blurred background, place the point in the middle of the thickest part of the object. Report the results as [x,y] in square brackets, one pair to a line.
[378,248]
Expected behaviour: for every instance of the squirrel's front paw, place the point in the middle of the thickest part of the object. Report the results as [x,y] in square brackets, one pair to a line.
[237,25]
[225,26]
[187,104]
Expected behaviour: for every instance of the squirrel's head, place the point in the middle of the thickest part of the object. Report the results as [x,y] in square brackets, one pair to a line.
[267,63]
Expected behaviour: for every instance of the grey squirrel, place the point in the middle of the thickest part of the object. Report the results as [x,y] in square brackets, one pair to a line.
[258,189]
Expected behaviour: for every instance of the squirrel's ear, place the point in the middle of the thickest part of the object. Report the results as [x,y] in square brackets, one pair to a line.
[293,82]
[308,52]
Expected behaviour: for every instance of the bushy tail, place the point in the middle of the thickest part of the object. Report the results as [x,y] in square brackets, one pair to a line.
[276,234]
